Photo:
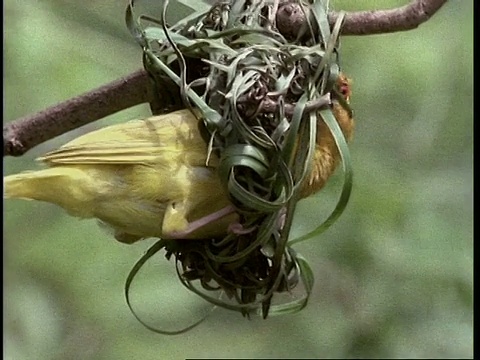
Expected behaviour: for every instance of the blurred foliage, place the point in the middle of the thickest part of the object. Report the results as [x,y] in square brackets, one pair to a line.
[394,276]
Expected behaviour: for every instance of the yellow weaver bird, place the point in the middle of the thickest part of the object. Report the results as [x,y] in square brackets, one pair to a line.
[150,178]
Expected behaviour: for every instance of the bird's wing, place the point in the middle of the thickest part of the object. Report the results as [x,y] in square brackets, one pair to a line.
[156,140]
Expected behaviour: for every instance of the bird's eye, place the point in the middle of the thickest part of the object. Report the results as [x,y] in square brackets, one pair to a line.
[345,88]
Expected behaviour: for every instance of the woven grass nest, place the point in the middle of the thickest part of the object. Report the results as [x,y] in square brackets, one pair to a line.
[260,71]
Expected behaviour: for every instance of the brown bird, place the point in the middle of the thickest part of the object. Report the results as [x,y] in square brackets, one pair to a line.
[150,178]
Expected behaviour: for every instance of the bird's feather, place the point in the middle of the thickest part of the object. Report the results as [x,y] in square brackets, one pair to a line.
[159,140]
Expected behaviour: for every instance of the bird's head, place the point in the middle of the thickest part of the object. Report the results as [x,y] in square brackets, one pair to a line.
[340,109]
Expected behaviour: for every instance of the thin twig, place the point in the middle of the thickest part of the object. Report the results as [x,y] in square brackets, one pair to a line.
[268,105]
[23,134]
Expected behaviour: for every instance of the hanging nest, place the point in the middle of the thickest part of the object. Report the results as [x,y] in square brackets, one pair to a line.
[260,83]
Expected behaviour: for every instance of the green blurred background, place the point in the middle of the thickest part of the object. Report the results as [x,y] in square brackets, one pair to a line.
[393,277]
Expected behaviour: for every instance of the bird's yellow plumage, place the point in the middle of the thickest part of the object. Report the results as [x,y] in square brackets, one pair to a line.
[145,178]
[150,178]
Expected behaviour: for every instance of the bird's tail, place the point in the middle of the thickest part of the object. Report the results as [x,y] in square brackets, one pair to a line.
[58,185]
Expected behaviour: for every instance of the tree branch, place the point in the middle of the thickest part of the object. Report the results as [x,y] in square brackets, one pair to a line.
[404,18]
[23,134]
